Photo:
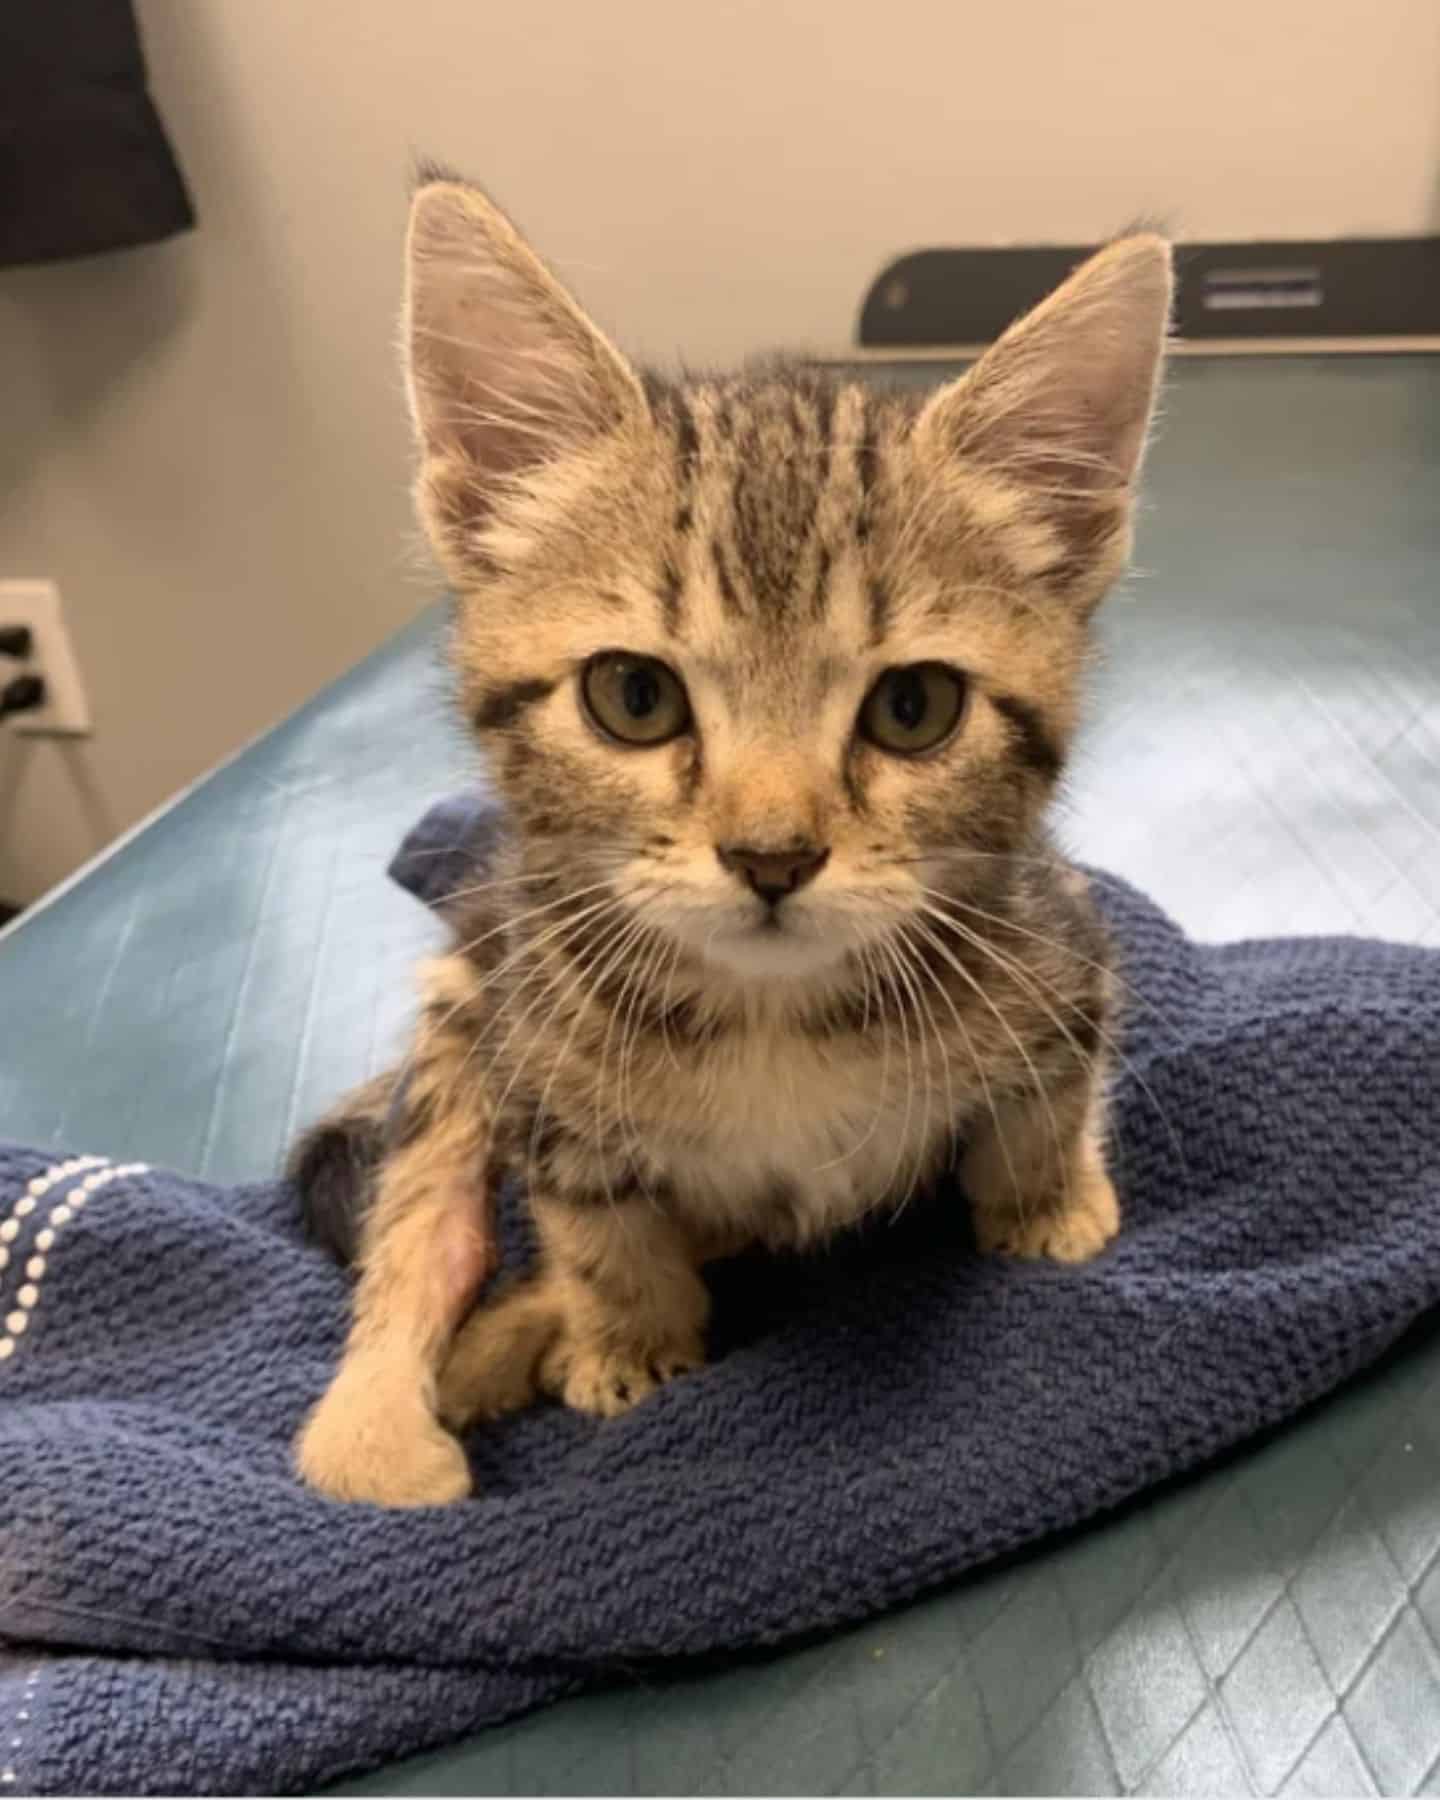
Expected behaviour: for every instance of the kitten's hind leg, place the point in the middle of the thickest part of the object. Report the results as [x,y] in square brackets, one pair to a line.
[428,1244]
[1035,1174]
[633,1303]
[493,1367]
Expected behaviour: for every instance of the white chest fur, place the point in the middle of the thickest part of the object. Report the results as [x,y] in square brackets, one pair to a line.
[789,1138]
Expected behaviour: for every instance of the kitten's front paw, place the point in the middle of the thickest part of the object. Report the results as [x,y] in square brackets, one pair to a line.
[368,1442]
[610,1379]
[1072,1234]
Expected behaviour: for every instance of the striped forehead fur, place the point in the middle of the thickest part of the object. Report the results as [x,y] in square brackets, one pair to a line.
[756,510]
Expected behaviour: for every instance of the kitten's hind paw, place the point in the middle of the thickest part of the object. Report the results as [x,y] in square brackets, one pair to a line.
[492,1366]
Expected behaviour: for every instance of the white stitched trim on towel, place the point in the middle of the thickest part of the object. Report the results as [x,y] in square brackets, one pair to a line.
[16,1741]
[35,1191]
[90,1174]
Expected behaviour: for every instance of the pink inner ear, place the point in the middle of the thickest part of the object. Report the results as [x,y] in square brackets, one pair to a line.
[1063,400]
[1058,418]
[479,371]
[506,370]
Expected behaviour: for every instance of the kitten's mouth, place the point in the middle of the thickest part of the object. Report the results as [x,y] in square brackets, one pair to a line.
[773,946]
[766,942]
[775,923]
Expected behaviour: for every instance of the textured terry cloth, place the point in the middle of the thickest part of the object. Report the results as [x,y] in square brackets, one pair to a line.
[183,1617]
[448,849]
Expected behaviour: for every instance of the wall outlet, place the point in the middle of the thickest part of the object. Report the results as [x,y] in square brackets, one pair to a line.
[66,712]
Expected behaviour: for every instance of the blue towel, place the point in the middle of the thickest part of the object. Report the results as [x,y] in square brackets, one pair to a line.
[182,1616]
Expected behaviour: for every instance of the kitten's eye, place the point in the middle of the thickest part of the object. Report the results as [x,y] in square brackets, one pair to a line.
[634,698]
[914,709]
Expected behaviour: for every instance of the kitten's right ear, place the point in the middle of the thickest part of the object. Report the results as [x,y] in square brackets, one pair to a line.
[506,373]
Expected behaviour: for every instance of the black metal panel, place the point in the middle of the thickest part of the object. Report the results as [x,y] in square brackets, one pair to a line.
[1342,288]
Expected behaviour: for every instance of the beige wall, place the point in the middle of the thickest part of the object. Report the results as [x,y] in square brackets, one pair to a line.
[203,442]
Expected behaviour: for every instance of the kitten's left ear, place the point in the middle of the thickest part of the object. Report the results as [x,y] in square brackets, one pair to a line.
[1060,407]
[507,374]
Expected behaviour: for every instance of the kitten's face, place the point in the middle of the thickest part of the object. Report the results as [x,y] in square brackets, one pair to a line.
[771,661]
[770,684]
[822,773]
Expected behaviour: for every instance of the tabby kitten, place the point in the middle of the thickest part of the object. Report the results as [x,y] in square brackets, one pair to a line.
[776,675]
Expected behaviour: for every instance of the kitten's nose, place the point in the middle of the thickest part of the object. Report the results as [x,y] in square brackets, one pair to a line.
[773,873]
